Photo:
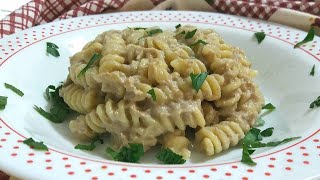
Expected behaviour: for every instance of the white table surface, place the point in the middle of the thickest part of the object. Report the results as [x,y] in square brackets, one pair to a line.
[7,6]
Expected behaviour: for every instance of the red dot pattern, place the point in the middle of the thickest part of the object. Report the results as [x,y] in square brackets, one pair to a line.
[5,137]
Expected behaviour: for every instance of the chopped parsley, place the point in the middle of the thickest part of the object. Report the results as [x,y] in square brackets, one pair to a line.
[91,146]
[260,36]
[178,26]
[253,139]
[190,34]
[153,94]
[269,106]
[3,102]
[167,156]
[35,145]
[315,103]
[259,122]
[181,33]
[154,31]
[14,89]
[312,70]
[52,49]
[59,109]
[94,58]
[138,28]
[133,153]
[308,38]
[198,42]
[198,80]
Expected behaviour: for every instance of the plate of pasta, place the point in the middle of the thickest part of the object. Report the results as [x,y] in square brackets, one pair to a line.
[160,95]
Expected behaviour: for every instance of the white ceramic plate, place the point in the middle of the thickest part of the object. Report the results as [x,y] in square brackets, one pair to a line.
[284,79]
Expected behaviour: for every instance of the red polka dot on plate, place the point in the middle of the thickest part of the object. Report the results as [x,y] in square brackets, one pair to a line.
[48,160]
[228,174]
[31,154]
[249,170]
[104,167]
[289,153]
[124,169]
[306,162]
[133,176]
[71,173]
[234,167]
[67,166]
[183,177]
[94,178]
[271,166]
[29,161]
[244,178]
[290,160]
[267,174]
[288,168]
[213,169]
[65,158]
[159,177]
[47,153]
[15,147]
[305,154]
[82,163]
[170,171]
[7,133]
[14,154]
[3,140]
[87,170]
[110,173]
[48,168]
[191,171]
[206,176]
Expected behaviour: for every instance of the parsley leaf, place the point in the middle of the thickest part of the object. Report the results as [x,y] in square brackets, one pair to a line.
[253,139]
[91,146]
[138,28]
[167,156]
[53,49]
[246,152]
[198,80]
[181,33]
[259,122]
[35,145]
[315,103]
[267,132]
[308,38]
[153,94]
[178,26]
[154,31]
[14,89]
[59,109]
[132,153]
[269,106]
[3,102]
[94,58]
[312,70]
[260,36]
[198,42]
[190,34]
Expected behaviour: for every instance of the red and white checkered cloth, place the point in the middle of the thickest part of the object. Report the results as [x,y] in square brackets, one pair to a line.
[44,11]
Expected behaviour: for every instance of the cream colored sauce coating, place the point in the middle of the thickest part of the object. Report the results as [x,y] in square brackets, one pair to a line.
[113,94]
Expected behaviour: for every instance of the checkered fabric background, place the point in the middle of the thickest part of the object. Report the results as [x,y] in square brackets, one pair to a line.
[44,11]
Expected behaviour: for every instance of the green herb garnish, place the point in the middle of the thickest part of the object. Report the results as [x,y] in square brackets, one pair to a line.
[259,122]
[94,58]
[53,49]
[138,28]
[133,153]
[167,156]
[308,38]
[14,89]
[198,42]
[59,109]
[260,36]
[253,139]
[154,31]
[312,70]
[190,34]
[153,94]
[315,103]
[91,146]
[178,26]
[35,145]
[181,33]
[269,106]
[3,102]
[198,80]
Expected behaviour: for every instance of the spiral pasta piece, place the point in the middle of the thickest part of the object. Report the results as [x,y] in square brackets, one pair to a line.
[219,137]
[178,143]
[88,79]
[79,99]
